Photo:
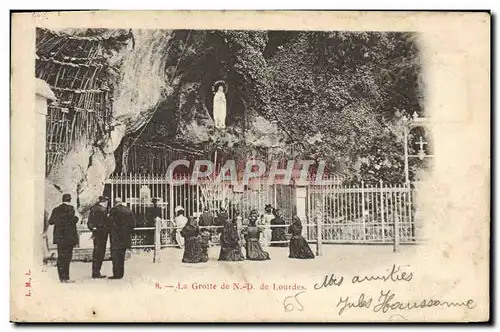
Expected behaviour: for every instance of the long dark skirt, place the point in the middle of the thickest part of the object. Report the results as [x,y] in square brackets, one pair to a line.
[232,254]
[279,234]
[193,252]
[205,243]
[255,252]
[299,248]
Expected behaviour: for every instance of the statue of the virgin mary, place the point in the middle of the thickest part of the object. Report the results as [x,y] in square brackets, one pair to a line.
[220,108]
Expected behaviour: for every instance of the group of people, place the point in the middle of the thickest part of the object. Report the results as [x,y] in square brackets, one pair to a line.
[193,235]
[117,225]
[234,237]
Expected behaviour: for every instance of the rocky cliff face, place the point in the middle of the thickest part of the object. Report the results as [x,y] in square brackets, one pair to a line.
[140,85]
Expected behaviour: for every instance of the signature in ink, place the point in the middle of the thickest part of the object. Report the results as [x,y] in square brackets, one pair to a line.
[363,301]
[291,303]
[388,302]
[330,280]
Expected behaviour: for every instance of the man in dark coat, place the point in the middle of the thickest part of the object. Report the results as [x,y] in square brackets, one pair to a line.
[65,235]
[123,225]
[206,219]
[153,212]
[221,218]
[100,225]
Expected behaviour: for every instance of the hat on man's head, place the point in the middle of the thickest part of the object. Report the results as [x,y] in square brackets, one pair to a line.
[178,208]
[118,200]
[103,199]
[66,197]
[268,206]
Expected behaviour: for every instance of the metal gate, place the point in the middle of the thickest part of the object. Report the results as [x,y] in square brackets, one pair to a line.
[138,191]
[361,214]
[341,214]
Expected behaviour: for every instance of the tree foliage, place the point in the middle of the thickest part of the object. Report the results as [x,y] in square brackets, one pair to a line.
[338,96]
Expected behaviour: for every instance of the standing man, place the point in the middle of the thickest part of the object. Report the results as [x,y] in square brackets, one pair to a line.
[123,225]
[65,236]
[206,219]
[100,225]
[206,222]
[221,218]
[153,213]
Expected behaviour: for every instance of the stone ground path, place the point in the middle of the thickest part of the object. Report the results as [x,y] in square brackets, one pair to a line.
[144,293]
[140,268]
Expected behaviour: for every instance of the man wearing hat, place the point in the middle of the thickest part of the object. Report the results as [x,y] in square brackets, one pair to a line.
[180,222]
[123,225]
[65,235]
[100,225]
[222,217]
[153,213]
[206,220]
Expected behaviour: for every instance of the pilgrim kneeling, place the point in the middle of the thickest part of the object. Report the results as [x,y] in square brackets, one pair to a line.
[230,249]
[299,248]
[254,249]
[193,249]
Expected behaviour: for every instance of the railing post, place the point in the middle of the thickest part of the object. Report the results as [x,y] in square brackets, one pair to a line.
[363,213]
[382,217]
[198,201]
[156,258]
[302,198]
[171,199]
[396,231]
[407,176]
[319,235]
[319,224]
[411,219]
[275,195]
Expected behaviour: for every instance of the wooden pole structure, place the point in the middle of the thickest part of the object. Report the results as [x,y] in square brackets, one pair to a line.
[396,223]
[319,224]
[156,257]
[43,95]
[363,212]
[382,212]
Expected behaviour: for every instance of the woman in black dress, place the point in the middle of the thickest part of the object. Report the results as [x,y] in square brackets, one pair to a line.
[205,243]
[298,245]
[230,249]
[193,252]
[278,233]
[253,248]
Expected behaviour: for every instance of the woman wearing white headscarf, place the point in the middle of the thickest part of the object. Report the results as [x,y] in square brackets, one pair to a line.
[265,224]
[180,221]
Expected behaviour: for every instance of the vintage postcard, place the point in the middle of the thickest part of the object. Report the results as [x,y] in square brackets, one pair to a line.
[247,166]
